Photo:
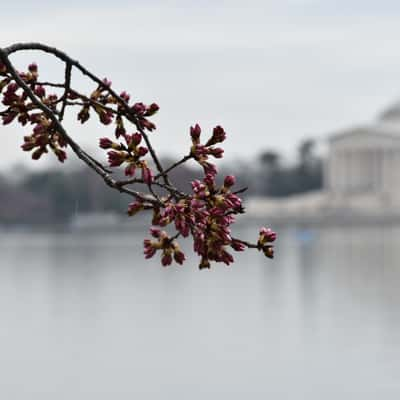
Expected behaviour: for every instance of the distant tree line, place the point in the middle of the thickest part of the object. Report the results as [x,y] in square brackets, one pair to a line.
[279,180]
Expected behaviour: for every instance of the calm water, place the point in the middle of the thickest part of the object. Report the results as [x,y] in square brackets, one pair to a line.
[84,317]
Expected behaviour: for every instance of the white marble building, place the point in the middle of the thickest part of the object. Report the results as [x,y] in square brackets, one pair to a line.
[361,179]
[365,160]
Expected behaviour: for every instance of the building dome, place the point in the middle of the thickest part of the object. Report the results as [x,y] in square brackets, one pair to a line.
[391,114]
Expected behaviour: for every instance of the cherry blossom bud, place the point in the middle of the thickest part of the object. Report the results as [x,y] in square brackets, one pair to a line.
[219,134]
[29,144]
[166,259]
[136,138]
[83,115]
[107,82]
[106,117]
[268,251]
[267,235]
[40,91]
[216,152]
[149,248]
[115,158]
[147,124]
[8,118]
[105,143]
[229,181]
[33,67]
[155,232]
[38,153]
[139,108]
[237,245]
[125,96]
[120,131]
[61,155]
[134,208]
[195,133]
[152,109]
[179,256]
[209,180]
[147,175]
[142,151]
[130,170]
[209,168]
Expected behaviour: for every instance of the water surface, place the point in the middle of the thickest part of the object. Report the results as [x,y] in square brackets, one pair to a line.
[83,316]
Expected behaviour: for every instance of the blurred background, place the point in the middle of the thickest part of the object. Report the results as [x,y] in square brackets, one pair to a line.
[308,92]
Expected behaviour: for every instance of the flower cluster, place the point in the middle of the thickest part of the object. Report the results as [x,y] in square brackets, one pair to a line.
[206,213]
[201,152]
[130,154]
[167,245]
[266,238]
[101,101]
[20,108]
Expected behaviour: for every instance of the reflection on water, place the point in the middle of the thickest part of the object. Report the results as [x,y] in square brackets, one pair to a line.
[84,317]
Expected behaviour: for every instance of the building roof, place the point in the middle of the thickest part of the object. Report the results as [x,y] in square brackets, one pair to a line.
[391,114]
[380,128]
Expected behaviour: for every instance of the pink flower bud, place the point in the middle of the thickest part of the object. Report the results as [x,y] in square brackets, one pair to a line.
[179,256]
[147,124]
[8,118]
[267,235]
[139,108]
[195,132]
[166,259]
[147,175]
[115,158]
[107,82]
[40,91]
[149,249]
[238,246]
[218,136]
[105,143]
[155,232]
[209,180]
[83,115]
[152,109]
[142,151]
[106,117]
[216,152]
[33,67]
[125,96]
[134,208]
[37,153]
[119,131]
[229,181]
[136,138]
[61,155]
[130,170]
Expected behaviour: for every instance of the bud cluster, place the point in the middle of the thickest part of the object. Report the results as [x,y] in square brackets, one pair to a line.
[129,153]
[168,246]
[20,108]
[201,152]
[266,237]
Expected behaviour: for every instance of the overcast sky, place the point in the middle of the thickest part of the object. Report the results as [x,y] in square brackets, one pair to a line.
[270,72]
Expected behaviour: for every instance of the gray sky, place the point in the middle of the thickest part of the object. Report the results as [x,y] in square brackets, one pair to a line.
[270,72]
